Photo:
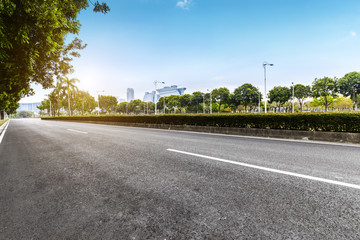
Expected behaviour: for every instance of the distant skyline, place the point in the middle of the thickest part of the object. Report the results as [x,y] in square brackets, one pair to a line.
[207,44]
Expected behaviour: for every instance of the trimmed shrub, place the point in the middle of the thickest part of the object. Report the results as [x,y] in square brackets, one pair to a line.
[332,122]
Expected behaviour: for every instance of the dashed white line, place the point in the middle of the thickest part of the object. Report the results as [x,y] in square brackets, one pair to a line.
[72,130]
[270,169]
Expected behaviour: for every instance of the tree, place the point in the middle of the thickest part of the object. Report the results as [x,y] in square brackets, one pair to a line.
[246,95]
[185,101]
[221,95]
[84,102]
[324,88]
[196,99]
[349,86]
[301,92]
[33,47]
[279,95]
[107,103]
[24,114]
[45,105]
[122,107]
[136,106]
[69,87]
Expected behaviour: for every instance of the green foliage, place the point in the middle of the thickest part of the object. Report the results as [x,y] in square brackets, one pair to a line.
[349,86]
[107,103]
[246,95]
[301,92]
[323,89]
[221,95]
[84,102]
[23,114]
[279,96]
[338,122]
[32,44]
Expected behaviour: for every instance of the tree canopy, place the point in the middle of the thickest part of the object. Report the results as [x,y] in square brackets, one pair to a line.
[349,86]
[33,46]
[246,95]
[324,88]
[279,95]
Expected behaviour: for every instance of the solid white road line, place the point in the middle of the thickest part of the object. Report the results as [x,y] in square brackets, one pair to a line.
[270,169]
[72,130]
[246,137]
[4,127]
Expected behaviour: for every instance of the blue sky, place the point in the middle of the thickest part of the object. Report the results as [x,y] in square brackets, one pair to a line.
[206,44]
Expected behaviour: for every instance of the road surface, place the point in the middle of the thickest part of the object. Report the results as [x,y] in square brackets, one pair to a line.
[63,180]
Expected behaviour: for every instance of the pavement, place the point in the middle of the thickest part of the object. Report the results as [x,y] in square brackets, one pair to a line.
[65,180]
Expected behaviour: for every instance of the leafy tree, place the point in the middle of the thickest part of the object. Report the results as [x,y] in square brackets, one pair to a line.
[33,47]
[301,92]
[122,107]
[349,86]
[84,102]
[342,103]
[107,103]
[136,106]
[221,95]
[279,96]
[324,88]
[24,114]
[70,89]
[197,99]
[246,95]
[45,105]
[185,101]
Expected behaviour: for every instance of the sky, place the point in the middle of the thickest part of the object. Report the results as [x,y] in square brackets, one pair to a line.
[207,44]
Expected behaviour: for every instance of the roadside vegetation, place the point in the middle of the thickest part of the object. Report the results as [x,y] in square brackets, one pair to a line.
[325,121]
[325,94]
[2,122]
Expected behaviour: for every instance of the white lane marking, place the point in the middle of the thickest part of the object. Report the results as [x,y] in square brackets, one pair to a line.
[5,126]
[246,137]
[270,169]
[72,130]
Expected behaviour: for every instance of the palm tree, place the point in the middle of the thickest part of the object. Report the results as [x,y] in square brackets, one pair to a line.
[69,88]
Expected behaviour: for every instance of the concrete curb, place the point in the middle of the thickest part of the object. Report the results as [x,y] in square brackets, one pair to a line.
[343,137]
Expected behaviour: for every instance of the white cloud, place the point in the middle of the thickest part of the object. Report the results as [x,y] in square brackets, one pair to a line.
[353,34]
[184,4]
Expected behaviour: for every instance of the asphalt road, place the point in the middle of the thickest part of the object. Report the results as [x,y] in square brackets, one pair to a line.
[62,180]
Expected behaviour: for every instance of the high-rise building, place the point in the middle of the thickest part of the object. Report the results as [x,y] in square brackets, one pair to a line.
[163,92]
[32,107]
[130,94]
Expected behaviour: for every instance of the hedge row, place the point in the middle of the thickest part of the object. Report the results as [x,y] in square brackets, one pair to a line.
[334,122]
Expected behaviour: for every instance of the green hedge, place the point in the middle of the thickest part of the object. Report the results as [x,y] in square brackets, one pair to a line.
[337,122]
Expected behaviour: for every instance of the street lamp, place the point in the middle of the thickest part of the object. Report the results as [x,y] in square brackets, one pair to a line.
[264,65]
[259,101]
[97,92]
[155,99]
[210,101]
[293,97]
[204,103]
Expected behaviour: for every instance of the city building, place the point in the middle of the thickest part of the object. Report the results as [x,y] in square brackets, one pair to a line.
[32,107]
[130,94]
[163,92]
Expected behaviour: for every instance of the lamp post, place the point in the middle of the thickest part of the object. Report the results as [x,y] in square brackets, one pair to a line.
[155,98]
[259,101]
[203,103]
[97,92]
[164,104]
[264,65]
[210,101]
[293,103]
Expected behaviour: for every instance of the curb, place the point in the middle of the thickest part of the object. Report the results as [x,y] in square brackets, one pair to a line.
[340,137]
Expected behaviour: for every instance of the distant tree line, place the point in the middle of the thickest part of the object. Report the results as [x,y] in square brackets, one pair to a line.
[324,94]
